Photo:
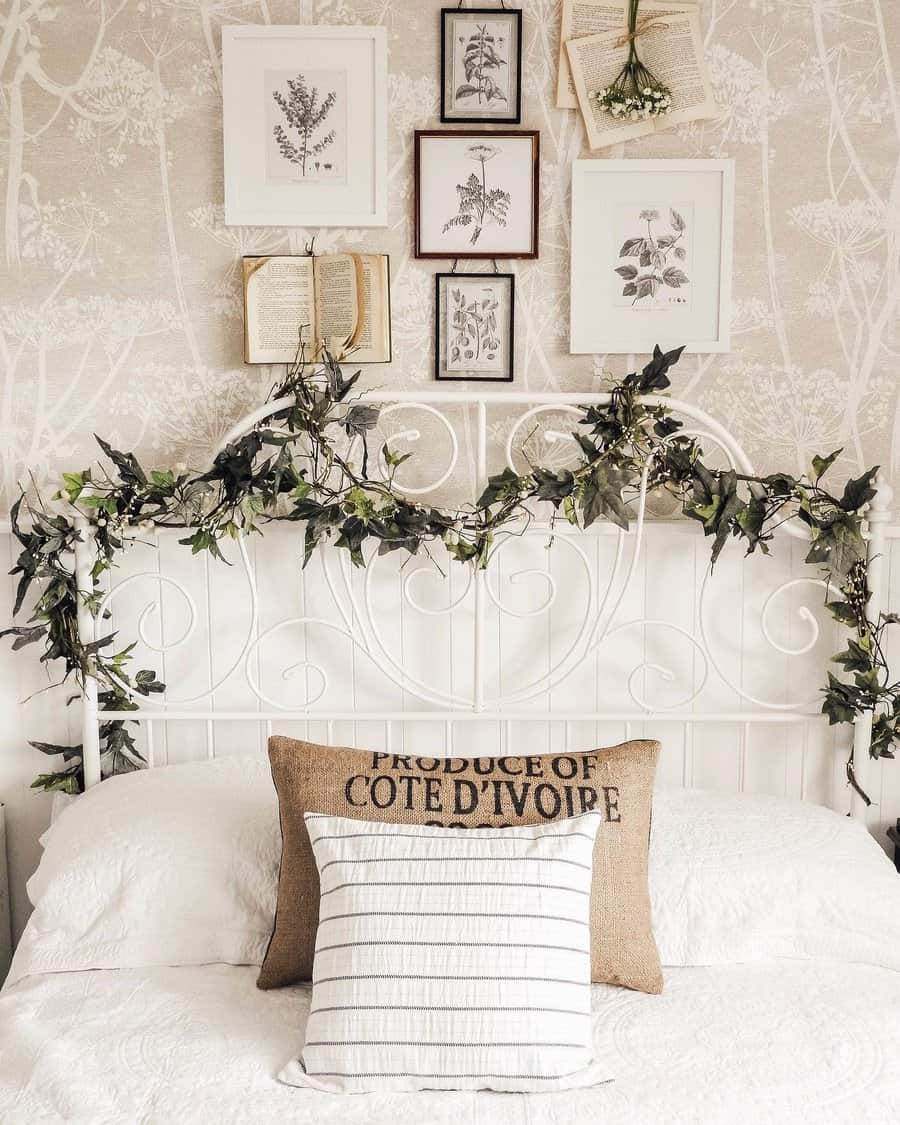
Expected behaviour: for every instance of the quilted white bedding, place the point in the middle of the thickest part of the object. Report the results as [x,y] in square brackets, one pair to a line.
[775,1042]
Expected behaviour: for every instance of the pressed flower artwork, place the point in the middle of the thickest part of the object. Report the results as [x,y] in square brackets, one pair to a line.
[481,62]
[474,326]
[476,194]
[306,115]
[652,266]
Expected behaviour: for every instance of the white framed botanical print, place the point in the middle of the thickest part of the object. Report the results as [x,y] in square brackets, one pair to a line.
[305,125]
[474,330]
[477,193]
[651,255]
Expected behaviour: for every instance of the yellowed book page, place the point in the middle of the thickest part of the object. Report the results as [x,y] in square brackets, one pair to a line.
[676,57]
[278,302]
[674,52]
[581,18]
[372,339]
[337,301]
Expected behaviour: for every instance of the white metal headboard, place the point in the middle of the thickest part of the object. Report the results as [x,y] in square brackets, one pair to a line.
[588,643]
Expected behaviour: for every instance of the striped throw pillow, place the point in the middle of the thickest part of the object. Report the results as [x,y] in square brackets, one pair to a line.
[454,959]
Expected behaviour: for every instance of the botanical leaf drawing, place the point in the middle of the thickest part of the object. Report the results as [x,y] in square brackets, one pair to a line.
[304,114]
[476,337]
[478,205]
[479,58]
[652,251]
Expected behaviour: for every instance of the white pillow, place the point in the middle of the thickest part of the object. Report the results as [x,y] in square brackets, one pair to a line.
[169,866]
[450,959]
[178,866]
[740,877]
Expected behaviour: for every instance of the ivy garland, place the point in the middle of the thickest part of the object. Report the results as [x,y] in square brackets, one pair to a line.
[295,472]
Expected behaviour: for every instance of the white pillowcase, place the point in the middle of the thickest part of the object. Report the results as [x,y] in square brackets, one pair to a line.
[170,866]
[450,959]
[741,877]
[178,866]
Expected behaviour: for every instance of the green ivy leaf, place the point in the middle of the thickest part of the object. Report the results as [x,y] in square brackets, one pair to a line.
[859,492]
[602,496]
[502,486]
[821,465]
[855,658]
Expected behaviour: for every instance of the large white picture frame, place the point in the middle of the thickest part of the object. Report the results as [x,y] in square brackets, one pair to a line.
[305,125]
[651,255]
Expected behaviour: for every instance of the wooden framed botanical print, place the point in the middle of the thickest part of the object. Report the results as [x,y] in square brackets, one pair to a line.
[474,337]
[476,193]
[481,65]
[305,121]
[651,254]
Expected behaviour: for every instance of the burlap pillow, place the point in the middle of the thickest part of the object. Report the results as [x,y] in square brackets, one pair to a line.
[473,793]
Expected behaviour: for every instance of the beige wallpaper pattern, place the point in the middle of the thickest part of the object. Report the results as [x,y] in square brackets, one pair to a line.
[119,299]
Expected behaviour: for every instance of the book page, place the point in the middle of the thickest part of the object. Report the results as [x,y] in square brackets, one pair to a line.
[337,302]
[372,340]
[581,18]
[278,302]
[674,53]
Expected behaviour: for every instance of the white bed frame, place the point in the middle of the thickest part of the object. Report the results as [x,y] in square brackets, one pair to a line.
[462,421]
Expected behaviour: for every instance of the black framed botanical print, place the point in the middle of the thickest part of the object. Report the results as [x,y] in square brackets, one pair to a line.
[481,65]
[474,332]
[476,193]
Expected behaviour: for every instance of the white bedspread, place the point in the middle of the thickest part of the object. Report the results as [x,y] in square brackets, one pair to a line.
[782,1042]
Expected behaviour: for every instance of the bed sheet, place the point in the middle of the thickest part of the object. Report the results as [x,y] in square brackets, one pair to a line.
[781,1042]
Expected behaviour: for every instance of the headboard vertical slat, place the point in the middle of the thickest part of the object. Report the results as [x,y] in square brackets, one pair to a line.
[480,577]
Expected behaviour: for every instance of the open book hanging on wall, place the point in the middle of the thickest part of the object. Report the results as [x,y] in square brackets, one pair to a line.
[340,302]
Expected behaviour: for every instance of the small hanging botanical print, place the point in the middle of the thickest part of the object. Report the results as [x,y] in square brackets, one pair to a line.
[474,321]
[481,65]
[476,194]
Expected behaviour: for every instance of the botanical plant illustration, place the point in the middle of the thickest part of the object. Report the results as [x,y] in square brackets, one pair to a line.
[477,204]
[475,334]
[305,115]
[479,59]
[654,252]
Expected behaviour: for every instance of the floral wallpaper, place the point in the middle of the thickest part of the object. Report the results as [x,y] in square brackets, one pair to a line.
[120,306]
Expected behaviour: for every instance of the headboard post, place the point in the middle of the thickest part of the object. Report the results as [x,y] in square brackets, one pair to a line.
[85,557]
[877,517]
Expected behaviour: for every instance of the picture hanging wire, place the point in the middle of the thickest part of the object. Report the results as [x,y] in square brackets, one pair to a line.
[455,263]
